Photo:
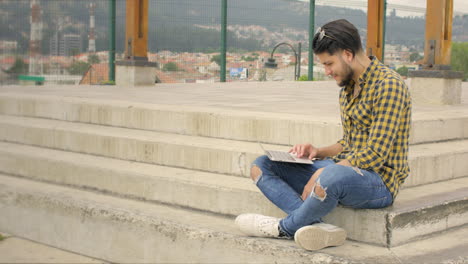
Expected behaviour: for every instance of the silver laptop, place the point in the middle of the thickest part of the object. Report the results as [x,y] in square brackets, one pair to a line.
[284,156]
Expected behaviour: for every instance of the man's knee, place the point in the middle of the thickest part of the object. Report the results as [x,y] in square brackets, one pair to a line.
[255,173]
[332,177]
[319,192]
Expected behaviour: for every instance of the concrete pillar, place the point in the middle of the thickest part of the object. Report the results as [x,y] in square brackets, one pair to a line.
[135,69]
[135,73]
[437,84]
[435,87]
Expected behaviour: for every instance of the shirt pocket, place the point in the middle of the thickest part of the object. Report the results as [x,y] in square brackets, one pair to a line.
[361,115]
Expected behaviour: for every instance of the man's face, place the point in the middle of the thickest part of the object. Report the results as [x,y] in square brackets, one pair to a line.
[336,67]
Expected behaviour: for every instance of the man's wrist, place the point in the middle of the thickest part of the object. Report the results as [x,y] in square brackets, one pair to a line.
[318,155]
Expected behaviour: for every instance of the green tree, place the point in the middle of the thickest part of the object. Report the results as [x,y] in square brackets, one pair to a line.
[93,59]
[248,58]
[403,71]
[170,66]
[217,59]
[19,67]
[459,58]
[78,68]
[415,57]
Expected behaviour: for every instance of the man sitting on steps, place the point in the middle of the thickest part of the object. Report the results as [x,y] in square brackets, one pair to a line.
[364,169]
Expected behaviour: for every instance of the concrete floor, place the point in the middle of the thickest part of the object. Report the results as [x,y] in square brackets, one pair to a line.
[317,99]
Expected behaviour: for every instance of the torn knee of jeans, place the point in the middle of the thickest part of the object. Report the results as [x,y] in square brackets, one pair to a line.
[358,171]
[255,173]
[319,192]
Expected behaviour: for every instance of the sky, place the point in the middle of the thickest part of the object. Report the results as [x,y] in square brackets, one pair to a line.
[458,5]
[403,7]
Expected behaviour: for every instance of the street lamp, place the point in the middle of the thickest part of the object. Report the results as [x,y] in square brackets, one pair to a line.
[271,62]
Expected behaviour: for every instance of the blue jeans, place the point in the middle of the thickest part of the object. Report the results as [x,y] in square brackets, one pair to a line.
[283,183]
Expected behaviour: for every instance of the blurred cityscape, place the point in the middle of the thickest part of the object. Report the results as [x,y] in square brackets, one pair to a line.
[67,42]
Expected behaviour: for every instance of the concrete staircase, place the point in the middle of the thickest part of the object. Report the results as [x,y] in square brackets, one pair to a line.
[128,181]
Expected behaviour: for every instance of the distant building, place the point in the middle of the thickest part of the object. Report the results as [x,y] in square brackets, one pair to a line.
[92,35]
[8,46]
[396,54]
[65,45]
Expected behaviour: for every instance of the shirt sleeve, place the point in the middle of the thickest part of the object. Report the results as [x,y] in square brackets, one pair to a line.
[388,105]
[342,142]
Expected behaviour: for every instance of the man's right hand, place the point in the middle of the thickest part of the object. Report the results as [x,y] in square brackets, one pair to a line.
[304,150]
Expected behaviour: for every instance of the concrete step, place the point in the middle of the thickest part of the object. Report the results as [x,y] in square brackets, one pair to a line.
[268,127]
[429,162]
[128,231]
[417,212]
[19,250]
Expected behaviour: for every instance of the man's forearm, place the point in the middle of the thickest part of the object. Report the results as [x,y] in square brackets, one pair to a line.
[329,151]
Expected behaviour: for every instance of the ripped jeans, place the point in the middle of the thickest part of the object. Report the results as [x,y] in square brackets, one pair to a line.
[283,183]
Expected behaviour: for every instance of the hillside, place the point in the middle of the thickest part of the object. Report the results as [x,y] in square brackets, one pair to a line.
[182,25]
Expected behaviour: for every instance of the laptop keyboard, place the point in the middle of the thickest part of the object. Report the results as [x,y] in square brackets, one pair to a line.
[281,155]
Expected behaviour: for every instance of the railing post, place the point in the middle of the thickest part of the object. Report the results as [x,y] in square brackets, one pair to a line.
[298,60]
[384,30]
[310,73]
[223,40]
[112,21]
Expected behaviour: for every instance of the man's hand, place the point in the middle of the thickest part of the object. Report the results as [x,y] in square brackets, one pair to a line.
[304,150]
[308,188]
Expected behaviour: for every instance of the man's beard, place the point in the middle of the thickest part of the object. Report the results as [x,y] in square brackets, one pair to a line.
[349,76]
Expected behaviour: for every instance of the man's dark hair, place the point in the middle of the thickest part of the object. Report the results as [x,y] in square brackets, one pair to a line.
[339,35]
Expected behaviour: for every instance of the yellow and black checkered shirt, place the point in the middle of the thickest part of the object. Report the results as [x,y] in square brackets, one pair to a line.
[376,124]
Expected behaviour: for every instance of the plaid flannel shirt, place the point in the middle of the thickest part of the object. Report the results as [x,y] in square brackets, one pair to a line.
[376,125]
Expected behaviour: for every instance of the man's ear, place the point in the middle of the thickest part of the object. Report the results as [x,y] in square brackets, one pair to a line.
[348,56]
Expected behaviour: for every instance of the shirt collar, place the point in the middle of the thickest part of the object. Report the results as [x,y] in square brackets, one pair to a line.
[366,75]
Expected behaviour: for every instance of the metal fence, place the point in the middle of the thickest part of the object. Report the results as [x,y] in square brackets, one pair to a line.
[68,41]
[53,39]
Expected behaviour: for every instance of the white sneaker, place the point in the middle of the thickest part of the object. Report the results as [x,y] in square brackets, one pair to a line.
[258,225]
[318,236]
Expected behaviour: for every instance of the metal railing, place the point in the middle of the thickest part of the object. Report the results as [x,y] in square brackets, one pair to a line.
[193,41]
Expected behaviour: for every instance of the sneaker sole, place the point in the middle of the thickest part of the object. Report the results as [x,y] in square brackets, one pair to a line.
[315,238]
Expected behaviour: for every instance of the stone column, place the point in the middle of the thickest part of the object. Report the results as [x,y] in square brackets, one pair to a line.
[435,87]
